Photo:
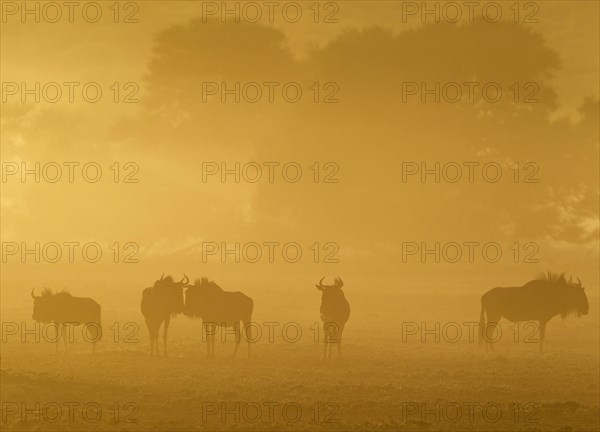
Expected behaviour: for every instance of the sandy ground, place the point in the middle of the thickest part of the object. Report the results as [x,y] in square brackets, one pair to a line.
[384,381]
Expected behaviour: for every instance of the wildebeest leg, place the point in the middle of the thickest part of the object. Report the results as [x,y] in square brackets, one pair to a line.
[94,339]
[154,341]
[207,335]
[154,331]
[151,352]
[156,337]
[491,341]
[324,341]
[339,341]
[333,337]
[248,333]
[165,330]
[58,335]
[542,334]
[327,339]
[207,338]
[64,335]
[212,340]
[491,330]
[151,334]
[238,338]
[97,333]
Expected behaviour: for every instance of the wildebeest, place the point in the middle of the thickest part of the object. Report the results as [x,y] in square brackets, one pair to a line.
[64,309]
[538,300]
[219,308]
[159,303]
[335,311]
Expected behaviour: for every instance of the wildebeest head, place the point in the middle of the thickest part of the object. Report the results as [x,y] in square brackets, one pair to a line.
[174,291]
[46,305]
[331,291]
[198,295]
[579,298]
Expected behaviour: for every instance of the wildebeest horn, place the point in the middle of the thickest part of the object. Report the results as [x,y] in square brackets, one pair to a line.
[321,281]
[339,282]
[579,280]
[32,296]
[163,275]
[186,280]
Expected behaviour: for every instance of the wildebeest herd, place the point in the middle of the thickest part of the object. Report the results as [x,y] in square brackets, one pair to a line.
[538,300]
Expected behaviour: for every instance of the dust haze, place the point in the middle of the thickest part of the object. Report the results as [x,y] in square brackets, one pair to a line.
[349,216]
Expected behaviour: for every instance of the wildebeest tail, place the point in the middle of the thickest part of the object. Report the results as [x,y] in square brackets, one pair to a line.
[100,328]
[248,320]
[98,324]
[481,323]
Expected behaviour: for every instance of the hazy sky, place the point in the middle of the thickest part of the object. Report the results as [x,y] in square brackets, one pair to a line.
[31,48]
[369,214]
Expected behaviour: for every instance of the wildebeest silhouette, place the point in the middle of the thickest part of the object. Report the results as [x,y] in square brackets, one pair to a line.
[159,303]
[538,300]
[219,308]
[64,309]
[335,311]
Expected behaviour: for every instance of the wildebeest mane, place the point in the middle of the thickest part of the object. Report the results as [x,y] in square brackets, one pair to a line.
[219,308]
[164,281]
[205,283]
[553,278]
[47,292]
[164,292]
[566,288]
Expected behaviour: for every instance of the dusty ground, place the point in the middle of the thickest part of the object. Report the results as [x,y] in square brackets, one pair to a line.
[381,383]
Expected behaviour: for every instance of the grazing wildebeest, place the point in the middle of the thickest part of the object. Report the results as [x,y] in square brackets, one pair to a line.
[538,300]
[159,303]
[64,309]
[335,311]
[218,308]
